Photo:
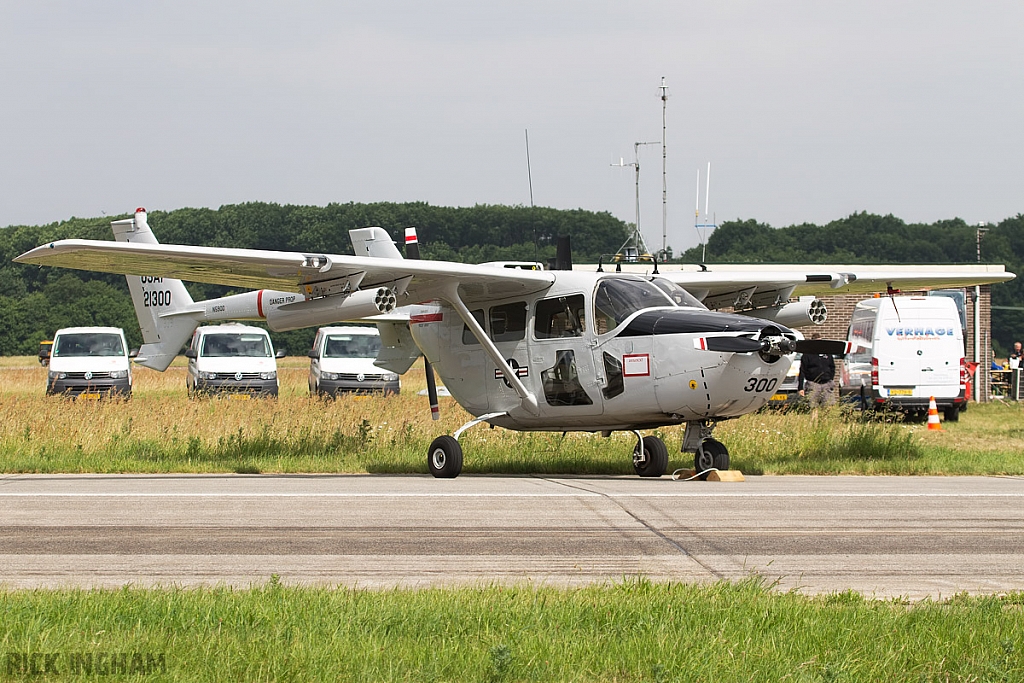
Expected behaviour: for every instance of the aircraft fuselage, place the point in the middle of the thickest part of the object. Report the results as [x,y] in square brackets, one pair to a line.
[594,365]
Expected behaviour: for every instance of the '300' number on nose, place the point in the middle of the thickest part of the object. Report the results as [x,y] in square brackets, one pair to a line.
[761,384]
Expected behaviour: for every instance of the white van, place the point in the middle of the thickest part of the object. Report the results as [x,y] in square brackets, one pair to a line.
[89,362]
[233,359]
[910,348]
[341,360]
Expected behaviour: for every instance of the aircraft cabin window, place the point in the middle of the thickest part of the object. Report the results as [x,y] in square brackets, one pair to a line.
[468,338]
[613,371]
[560,317]
[619,298]
[508,322]
[678,295]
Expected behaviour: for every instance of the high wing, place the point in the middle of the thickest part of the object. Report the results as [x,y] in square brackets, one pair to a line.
[744,286]
[290,271]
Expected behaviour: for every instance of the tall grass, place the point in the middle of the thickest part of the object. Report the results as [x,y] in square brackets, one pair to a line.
[632,631]
[161,430]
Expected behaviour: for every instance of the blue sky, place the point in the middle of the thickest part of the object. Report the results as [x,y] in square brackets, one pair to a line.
[807,111]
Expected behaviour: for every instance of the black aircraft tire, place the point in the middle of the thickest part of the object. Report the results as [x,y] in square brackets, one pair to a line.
[444,458]
[656,461]
[711,454]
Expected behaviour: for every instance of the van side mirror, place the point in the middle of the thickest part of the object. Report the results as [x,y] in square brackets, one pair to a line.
[134,353]
[312,354]
[44,354]
[280,354]
[191,353]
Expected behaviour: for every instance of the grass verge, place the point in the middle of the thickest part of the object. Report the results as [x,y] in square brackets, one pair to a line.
[633,631]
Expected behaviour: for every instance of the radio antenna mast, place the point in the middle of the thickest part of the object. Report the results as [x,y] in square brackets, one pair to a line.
[637,238]
[664,175]
[705,227]
[529,173]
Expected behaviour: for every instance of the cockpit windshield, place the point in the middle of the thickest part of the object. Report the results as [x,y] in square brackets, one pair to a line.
[677,293]
[618,298]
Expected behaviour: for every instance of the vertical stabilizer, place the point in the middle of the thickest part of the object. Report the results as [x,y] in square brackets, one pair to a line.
[374,242]
[163,306]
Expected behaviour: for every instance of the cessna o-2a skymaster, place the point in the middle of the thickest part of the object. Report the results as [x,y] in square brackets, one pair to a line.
[521,349]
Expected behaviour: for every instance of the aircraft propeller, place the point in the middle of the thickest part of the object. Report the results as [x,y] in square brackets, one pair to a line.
[774,345]
[412,251]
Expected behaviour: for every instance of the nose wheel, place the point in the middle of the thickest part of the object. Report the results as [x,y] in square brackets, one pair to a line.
[650,456]
[711,454]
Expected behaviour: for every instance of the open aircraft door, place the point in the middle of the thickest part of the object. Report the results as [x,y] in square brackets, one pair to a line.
[562,368]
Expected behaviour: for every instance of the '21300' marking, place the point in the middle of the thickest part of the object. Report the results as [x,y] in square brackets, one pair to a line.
[156,298]
[762,384]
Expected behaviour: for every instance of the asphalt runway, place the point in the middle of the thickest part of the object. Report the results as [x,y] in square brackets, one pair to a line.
[882,536]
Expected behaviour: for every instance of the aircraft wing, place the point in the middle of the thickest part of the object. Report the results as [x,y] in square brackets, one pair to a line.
[741,286]
[288,271]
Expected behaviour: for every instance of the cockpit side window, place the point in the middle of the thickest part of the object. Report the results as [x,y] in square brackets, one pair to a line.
[618,298]
[562,316]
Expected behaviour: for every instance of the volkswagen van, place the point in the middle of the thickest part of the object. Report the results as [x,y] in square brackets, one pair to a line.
[341,360]
[232,359]
[88,362]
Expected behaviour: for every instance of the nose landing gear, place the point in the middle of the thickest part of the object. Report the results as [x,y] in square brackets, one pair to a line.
[711,454]
[707,452]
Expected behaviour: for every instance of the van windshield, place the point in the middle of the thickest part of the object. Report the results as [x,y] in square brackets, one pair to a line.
[351,346]
[233,345]
[88,344]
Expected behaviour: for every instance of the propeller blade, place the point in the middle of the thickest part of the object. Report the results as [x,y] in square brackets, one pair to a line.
[412,252]
[435,411]
[830,347]
[727,344]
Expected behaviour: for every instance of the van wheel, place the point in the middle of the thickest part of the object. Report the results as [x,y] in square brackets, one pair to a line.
[951,414]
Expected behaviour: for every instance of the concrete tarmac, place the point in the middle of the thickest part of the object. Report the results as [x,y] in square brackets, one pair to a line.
[881,536]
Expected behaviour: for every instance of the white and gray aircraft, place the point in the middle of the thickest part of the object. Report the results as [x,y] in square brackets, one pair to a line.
[530,350]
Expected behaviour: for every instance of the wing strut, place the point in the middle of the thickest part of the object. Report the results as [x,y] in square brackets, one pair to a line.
[451,295]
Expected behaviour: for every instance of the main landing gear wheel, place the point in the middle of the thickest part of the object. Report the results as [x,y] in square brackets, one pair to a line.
[444,458]
[712,453]
[654,460]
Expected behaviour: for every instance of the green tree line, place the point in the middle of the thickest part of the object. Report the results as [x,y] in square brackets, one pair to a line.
[35,302]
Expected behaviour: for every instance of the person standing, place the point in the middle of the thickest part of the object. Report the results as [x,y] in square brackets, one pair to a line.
[817,379]
[1016,356]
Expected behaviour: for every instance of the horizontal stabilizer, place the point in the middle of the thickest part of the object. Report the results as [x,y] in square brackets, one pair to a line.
[398,351]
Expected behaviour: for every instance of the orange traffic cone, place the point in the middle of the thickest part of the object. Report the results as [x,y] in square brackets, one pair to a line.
[933,415]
